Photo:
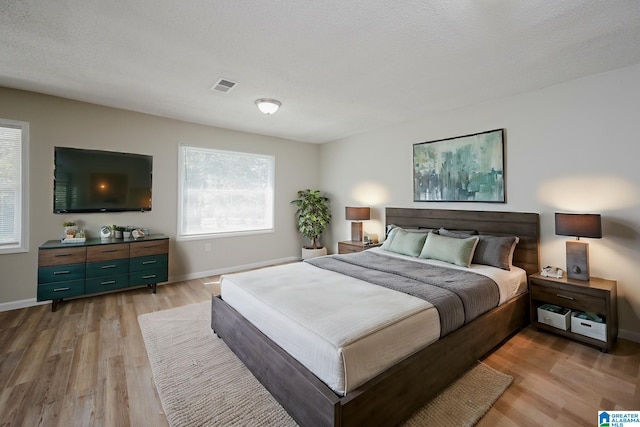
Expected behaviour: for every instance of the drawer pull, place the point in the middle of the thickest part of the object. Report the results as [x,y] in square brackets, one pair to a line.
[61,289]
[585,324]
[61,272]
[109,266]
[109,250]
[149,262]
[151,276]
[59,255]
[108,282]
[564,296]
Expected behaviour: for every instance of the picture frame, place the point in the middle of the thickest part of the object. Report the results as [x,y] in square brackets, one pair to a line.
[468,168]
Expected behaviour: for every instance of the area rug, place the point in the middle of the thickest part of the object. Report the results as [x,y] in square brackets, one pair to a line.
[202,383]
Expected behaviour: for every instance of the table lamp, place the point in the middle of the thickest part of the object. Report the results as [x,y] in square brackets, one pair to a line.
[579,225]
[356,215]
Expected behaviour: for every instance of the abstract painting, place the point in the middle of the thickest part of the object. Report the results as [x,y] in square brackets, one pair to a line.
[467,168]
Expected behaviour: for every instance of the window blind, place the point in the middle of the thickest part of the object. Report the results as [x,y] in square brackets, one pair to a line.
[224,192]
[12,144]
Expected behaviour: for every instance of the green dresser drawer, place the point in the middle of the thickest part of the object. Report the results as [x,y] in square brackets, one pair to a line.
[151,262]
[108,268]
[61,273]
[60,290]
[98,266]
[106,283]
[148,277]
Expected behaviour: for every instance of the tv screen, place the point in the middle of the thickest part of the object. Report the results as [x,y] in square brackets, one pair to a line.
[101,181]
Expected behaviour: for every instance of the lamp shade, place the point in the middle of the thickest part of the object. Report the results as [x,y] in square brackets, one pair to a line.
[579,225]
[357,214]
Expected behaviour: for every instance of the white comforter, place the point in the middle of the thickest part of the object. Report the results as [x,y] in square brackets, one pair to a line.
[342,329]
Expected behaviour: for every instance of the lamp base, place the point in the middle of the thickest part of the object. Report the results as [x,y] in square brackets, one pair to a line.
[356,231]
[577,260]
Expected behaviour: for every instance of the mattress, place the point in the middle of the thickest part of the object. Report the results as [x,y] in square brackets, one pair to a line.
[344,330]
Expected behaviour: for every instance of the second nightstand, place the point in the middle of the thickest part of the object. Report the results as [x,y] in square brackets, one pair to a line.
[351,246]
[596,295]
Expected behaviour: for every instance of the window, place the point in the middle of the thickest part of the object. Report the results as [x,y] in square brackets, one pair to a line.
[14,160]
[224,192]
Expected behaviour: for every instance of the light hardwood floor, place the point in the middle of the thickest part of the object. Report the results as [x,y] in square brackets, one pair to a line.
[86,365]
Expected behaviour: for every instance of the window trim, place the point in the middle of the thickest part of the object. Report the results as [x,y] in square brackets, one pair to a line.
[181,187]
[23,244]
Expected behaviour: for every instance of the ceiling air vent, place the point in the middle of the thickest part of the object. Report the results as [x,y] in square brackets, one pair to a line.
[223,85]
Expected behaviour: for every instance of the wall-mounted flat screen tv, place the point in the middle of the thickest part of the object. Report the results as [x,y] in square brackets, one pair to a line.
[101,181]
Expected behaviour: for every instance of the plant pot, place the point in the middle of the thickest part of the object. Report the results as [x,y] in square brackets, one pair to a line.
[126,234]
[312,253]
[117,234]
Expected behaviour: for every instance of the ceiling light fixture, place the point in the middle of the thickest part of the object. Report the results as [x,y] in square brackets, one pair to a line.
[268,106]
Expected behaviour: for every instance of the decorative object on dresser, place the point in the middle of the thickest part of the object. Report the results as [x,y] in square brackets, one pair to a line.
[586,311]
[578,225]
[72,234]
[351,246]
[97,265]
[357,215]
[70,229]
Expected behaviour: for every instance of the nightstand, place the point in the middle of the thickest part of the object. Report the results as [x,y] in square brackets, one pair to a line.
[351,246]
[596,295]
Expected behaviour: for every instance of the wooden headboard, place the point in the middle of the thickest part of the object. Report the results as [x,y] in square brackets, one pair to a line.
[522,224]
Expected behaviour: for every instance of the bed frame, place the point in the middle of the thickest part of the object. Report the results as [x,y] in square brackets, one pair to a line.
[395,394]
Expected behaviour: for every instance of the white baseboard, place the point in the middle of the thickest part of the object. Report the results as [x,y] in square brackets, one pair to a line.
[15,305]
[629,335]
[234,269]
[31,302]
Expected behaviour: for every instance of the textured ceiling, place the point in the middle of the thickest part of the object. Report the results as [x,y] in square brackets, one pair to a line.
[339,67]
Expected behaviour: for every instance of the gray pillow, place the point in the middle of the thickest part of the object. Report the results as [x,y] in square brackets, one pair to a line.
[495,251]
[458,234]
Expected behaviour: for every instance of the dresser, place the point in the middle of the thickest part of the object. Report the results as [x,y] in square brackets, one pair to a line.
[100,265]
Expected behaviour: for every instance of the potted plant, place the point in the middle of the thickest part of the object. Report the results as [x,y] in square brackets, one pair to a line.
[313,219]
[117,231]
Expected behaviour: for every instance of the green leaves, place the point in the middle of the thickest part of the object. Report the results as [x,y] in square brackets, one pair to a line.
[313,215]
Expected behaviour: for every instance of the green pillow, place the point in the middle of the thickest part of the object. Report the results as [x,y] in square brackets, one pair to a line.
[390,235]
[449,249]
[406,243]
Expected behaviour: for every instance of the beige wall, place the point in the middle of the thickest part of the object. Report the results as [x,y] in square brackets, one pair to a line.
[60,122]
[569,148]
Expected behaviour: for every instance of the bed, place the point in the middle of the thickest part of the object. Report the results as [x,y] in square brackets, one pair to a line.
[406,381]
